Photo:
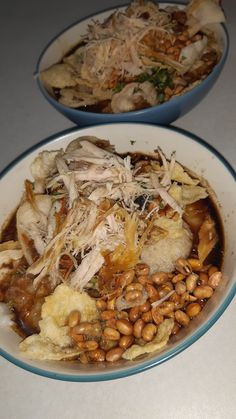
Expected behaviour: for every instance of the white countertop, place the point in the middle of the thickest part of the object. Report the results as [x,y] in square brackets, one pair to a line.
[198,383]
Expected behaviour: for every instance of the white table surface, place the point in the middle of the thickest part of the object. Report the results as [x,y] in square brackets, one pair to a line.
[198,383]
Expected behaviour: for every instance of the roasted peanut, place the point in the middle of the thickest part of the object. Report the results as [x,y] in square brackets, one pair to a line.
[176,329]
[142,269]
[107,344]
[132,296]
[126,341]
[164,289]
[183,266]
[203,278]
[149,332]
[84,358]
[111,304]
[215,279]
[134,314]
[145,307]
[152,292]
[138,327]
[166,307]
[147,316]
[86,328]
[193,309]
[108,314]
[170,315]
[97,355]
[178,278]
[203,291]
[157,317]
[111,323]
[111,333]
[122,315]
[82,328]
[88,345]
[191,282]
[101,305]
[144,279]
[188,297]
[182,318]
[178,301]
[76,337]
[212,270]
[114,354]
[124,327]
[180,288]
[74,318]
[127,277]
[195,264]
[159,277]
[135,286]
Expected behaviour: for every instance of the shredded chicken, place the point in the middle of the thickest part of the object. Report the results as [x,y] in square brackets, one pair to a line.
[89,210]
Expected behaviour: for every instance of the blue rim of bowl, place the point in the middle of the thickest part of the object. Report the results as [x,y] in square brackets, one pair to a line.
[141,112]
[159,359]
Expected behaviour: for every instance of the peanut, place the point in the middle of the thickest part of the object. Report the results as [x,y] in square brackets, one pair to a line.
[215,279]
[193,309]
[97,355]
[74,318]
[101,305]
[142,269]
[159,277]
[180,288]
[114,354]
[138,327]
[166,307]
[124,327]
[157,317]
[126,341]
[203,291]
[182,318]
[111,333]
[147,316]
[183,266]
[191,282]
[134,314]
[149,332]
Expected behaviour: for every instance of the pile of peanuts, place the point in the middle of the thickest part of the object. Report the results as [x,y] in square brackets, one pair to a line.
[186,290]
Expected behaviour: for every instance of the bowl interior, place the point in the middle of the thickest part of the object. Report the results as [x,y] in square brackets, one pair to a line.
[191,152]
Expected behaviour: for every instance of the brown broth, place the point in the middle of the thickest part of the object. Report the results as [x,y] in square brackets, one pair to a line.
[208,207]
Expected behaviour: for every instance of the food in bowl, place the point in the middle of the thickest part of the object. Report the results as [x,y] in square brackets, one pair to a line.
[138,58]
[108,255]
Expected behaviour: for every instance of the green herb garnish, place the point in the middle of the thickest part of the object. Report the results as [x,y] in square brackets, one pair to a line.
[160,78]
[118,87]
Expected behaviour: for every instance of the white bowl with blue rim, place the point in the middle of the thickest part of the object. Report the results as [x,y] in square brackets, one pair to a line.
[192,152]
